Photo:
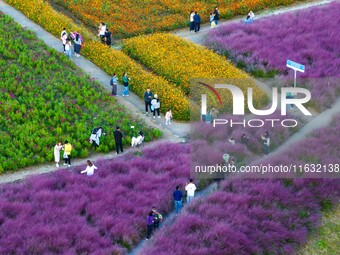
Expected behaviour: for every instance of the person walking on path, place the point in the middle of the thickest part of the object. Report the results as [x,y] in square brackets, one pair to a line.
[108,37]
[212,20]
[77,45]
[157,218]
[155,106]
[216,15]
[125,80]
[147,100]
[149,225]
[68,46]
[192,22]
[118,139]
[89,169]
[63,39]
[168,117]
[197,20]
[67,153]
[190,188]
[266,143]
[57,149]
[114,83]
[178,195]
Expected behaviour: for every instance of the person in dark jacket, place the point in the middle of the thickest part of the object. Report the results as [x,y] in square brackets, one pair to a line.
[108,37]
[147,100]
[119,140]
[178,195]
[197,20]
[216,15]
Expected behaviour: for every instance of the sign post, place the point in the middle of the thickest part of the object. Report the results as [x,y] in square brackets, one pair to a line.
[296,67]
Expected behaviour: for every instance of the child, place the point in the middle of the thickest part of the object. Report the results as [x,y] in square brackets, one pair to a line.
[168,117]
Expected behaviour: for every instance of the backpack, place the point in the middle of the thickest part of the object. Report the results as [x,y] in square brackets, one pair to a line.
[94,131]
[111,82]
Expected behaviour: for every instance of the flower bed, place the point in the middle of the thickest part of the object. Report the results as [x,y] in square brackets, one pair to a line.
[264,46]
[68,213]
[248,217]
[44,98]
[109,59]
[126,18]
[181,61]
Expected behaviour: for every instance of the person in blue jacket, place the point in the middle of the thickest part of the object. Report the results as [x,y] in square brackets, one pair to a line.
[197,20]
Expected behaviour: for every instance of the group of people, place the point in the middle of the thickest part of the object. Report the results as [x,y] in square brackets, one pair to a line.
[67,148]
[153,103]
[104,34]
[67,45]
[195,19]
[114,83]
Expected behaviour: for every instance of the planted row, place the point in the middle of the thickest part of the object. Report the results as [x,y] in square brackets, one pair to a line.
[45,98]
[263,47]
[109,59]
[68,213]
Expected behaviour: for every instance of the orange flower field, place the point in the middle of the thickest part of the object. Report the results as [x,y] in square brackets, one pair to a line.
[126,18]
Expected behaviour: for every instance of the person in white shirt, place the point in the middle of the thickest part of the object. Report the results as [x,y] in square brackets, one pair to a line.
[190,188]
[89,169]
[192,23]
[101,31]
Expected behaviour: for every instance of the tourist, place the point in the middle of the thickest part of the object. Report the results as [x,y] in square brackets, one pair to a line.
[244,139]
[77,45]
[95,135]
[118,140]
[149,225]
[114,83]
[192,23]
[168,117]
[125,80]
[212,20]
[57,149]
[178,195]
[231,140]
[135,141]
[63,40]
[89,169]
[101,31]
[68,46]
[250,17]
[67,153]
[197,20]
[147,100]
[108,37]
[216,15]
[213,112]
[155,105]
[190,188]
[63,32]
[266,143]
[157,218]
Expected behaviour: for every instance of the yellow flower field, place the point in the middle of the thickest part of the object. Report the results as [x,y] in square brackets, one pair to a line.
[126,18]
[109,59]
[180,61]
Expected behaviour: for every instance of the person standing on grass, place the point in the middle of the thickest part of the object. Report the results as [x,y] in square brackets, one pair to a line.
[178,195]
[168,117]
[149,225]
[57,149]
[216,15]
[108,37]
[77,45]
[192,22]
[118,139]
[147,100]
[67,153]
[68,46]
[190,188]
[125,80]
[114,83]
[95,136]
[156,104]
[266,143]
[89,169]
[197,20]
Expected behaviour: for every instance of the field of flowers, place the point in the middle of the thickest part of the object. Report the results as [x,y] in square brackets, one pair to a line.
[68,213]
[264,46]
[126,18]
[44,98]
[248,217]
[181,61]
[109,59]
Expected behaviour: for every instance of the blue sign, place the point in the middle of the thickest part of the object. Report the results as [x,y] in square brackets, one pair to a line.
[295,66]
